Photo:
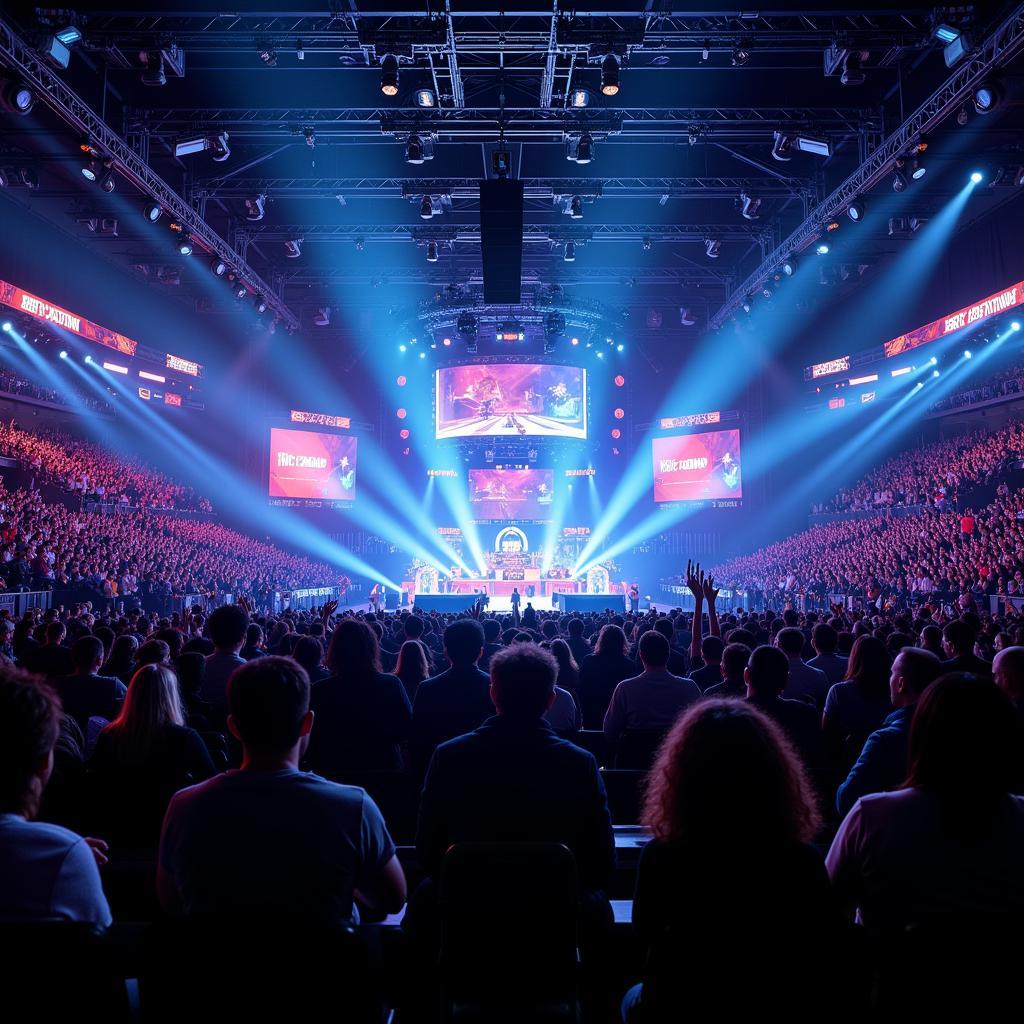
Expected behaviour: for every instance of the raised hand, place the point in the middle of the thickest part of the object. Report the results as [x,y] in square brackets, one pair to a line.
[710,590]
[694,579]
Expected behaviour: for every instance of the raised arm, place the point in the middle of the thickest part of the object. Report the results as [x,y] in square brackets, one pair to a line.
[711,595]
[694,580]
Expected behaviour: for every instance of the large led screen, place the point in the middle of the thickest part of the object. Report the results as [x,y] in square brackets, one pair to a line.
[697,467]
[308,464]
[511,399]
[511,493]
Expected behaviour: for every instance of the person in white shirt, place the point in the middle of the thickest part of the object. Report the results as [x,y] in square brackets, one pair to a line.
[47,873]
[952,840]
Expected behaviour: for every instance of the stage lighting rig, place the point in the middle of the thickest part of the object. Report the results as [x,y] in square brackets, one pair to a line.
[426,208]
[580,148]
[323,316]
[389,75]
[749,205]
[431,252]
[576,208]
[266,53]
[16,97]
[217,144]
[712,248]
[855,211]
[293,248]
[255,207]
[610,75]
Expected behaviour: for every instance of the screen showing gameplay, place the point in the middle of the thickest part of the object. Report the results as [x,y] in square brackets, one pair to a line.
[697,467]
[510,400]
[496,494]
[308,464]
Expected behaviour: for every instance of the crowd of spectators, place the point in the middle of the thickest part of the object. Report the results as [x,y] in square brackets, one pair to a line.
[934,475]
[998,384]
[849,767]
[12,383]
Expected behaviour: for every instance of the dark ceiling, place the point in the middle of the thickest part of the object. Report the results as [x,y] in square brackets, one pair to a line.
[690,131]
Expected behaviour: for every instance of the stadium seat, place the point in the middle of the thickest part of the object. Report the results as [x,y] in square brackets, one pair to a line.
[595,741]
[625,791]
[637,748]
[509,933]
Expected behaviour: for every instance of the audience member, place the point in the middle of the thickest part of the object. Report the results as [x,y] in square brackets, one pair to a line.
[734,665]
[806,683]
[856,707]
[85,694]
[601,672]
[766,676]
[226,628]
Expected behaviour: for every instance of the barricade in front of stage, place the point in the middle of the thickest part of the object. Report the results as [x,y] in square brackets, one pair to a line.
[591,602]
[452,603]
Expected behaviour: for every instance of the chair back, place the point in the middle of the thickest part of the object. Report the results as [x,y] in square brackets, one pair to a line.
[595,741]
[625,794]
[508,916]
[636,749]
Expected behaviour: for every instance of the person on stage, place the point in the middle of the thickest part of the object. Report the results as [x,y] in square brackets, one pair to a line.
[634,599]
[375,598]
[515,600]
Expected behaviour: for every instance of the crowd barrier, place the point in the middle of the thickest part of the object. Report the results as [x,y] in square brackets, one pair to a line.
[107,508]
[17,602]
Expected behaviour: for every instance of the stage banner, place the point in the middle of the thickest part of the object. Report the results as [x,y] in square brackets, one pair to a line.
[1001,301]
[26,302]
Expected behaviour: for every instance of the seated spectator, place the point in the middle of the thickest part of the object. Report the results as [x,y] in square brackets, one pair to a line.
[412,667]
[85,694]
[1008,673]
[455,702]
[734,665]
[710,674]
[492,633]
[931,640]
[146,755]
[190,669]
[152,652]
[564,715]
[309,653]
[47,873]
[951,840]
[856,707]
[601,672]
[578,644]
[226,627]
[766,676]
[362,714]
[728,790]
[514,780]
[253,647]
[568,670]
[53,658]
[652,700]
[825,640]
[958,639]
[267,836]
[805,683]
[121,660]
[882,765]
[678,663]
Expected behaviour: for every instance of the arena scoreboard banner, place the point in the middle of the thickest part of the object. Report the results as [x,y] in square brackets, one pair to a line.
[47,312]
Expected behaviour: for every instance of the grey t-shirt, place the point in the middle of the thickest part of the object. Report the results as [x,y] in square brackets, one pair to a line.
[284,841]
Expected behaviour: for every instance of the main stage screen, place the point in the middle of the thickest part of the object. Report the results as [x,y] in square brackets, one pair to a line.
[511,493]
[308,464]
[511,399]
[697,467]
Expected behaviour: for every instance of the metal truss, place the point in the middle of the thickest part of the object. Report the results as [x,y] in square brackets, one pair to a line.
[18,57]
[1005,43]
[532,233]
[711,187]
[367,124]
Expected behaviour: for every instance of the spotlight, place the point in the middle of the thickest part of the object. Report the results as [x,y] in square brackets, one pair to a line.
[309,134]
[822,249]
[152,211]
[739,57]
[933,361]
[218,267]
[300,52]
[935,373]
[789,266]
[425,98]
[899,180]
[610,75]
[977,177]
[254,207]
[107,182]
[29,177]
[389,75]
[574,341]
[431,252]
[600,353]
[853,68]
[967,353]
[576,208]
[323,316]
[423,355]
[447,342]
[267,54]
[16,97]
[414,150]
[8,326]
[401,413]
[620,347]
[855,211]
[91,170]
[426,208]
[782,146]
[154,74]
[88,360]
[239,290]
[57,47]
[647,245]
[917,169]
[261,305]
[569,256]
[580,98]
[185,247]
[686,317]
[293,248]
[712,248]
[747,304]
[962,117]
[766,291]
[585,149]
[1015,326]
[63,354]
[987,97]
[956,43]
[750,206]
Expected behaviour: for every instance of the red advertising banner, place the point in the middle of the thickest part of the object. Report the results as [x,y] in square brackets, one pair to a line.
[1001,301]
[26,302]
[695,467]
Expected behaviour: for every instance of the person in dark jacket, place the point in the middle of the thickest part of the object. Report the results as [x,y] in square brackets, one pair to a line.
[361,715]
[882,765]
[84,694]
[601,672]
[958,639]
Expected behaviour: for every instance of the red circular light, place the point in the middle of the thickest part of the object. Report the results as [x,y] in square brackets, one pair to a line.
[620,381]
[616,433]
[401,382]
[619,413]
[404,434]
[400,414]
[446,342]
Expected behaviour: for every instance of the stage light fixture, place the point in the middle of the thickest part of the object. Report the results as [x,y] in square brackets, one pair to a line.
[647,245]
[8,326]
[933,361]
[610,75]
[300,51]
[154,74]
[389,75]
[580,98]
[855,211]
[987,97]
[917,169]
[977,177]
[107,182]
[29,177]
[619,413]
[63,354]
[402,347]
[749,205]
[822,249]
[401,413]
[91,170]
[739,57]
[789,266]
[309,134]
[899,180]
[239,290]
[957,44]
[585,149]
[218,144]
[1015,326]
[57,47]
[185,247]
[705,53]
[853,68]
[782,146]
[600,354]
[218,267]
[712,248]
[616,433]
[767,292]
[16,97]
[414,150]
[404,433]
[426,208]
[747,304]
[261,305]
[323,316]
[967,353]
[446,342]
[620,347]
[266,52]
[293,248]
[935,373]
[88,361]
[425,98]
[576,208]
[431,252]
[255,207]
[569,255]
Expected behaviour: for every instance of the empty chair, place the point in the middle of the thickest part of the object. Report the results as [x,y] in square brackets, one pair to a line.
[508,916]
